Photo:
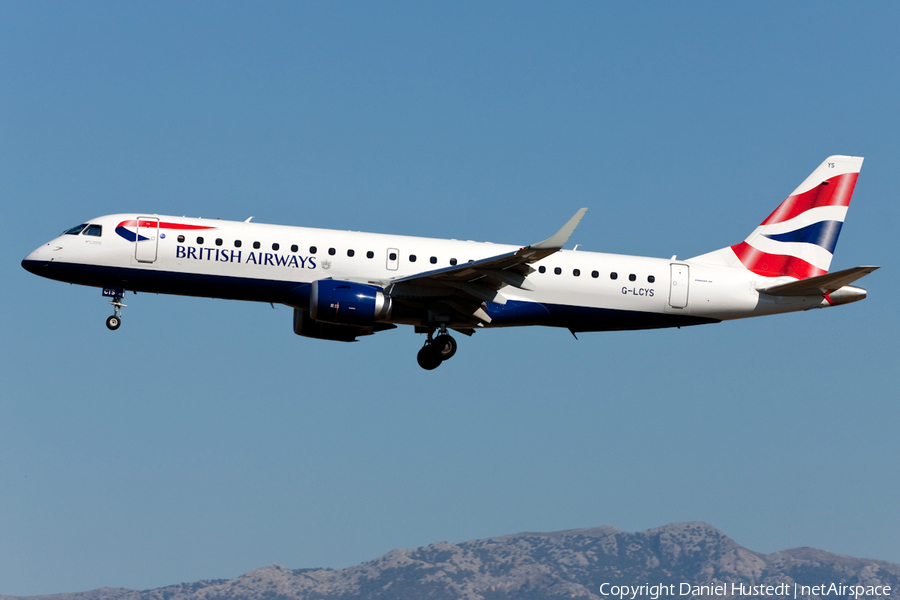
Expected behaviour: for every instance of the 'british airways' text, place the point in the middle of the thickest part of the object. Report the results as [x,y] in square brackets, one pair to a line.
[271,259]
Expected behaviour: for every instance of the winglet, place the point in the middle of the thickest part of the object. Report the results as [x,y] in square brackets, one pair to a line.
[562,236]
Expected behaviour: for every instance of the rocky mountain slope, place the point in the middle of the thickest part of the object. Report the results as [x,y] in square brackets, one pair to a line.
[580,563]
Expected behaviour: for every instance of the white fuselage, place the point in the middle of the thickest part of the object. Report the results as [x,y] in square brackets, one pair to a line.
[583,291]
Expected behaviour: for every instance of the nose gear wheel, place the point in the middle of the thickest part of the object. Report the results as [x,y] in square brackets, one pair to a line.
[115,320]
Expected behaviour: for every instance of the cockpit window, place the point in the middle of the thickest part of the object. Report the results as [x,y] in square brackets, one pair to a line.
[75,230]
[93,230]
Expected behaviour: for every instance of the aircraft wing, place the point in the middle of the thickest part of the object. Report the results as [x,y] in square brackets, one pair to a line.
[463,289]
[819,285]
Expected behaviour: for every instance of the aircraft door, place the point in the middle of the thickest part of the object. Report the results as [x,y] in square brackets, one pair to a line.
[678,288]
[145,246]
[393,259]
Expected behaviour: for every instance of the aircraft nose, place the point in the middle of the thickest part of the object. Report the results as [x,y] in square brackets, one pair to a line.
[38,260]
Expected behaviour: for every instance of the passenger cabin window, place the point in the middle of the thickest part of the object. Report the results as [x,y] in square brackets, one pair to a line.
[294,248]
[256,245]
[180,239]
[370,254]
[412,258]
[453,261]
[75,230]
[218,241]
[199,240]
[276,246]
[433,260]
[313,249]
[95,230]
[576,272]
[392,256]
[331,251]
[651,278]
[558,271]
[595,274]
[613,275]
[632,277]
[351,252]
[542,269]
[237,243]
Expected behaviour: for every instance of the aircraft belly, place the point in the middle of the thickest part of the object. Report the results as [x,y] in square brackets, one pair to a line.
[169,282]
[617,296]
[585,318]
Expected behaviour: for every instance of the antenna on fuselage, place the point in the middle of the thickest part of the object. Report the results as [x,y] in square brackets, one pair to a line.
[248,219]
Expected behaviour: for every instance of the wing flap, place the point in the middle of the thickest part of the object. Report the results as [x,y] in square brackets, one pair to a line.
[465,289]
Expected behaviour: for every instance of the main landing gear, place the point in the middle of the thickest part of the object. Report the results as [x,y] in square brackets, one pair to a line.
[115,320]
[436,350]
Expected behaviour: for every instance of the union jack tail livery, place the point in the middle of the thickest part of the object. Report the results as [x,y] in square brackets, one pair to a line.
[797,240]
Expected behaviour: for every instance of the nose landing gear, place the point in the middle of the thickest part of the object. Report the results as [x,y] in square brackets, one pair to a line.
[115,320]
[436,350]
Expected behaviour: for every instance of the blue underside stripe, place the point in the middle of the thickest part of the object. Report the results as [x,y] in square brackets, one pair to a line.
[513,313]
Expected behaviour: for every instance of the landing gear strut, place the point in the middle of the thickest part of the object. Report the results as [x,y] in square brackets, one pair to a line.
[436,350]
[115,320]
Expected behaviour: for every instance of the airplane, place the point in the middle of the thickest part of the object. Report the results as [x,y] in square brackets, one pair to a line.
[344,284]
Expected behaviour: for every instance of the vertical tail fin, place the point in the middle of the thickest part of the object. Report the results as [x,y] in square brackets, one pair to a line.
[798,239]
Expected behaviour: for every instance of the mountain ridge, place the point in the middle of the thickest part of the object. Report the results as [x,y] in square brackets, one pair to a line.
[575,563]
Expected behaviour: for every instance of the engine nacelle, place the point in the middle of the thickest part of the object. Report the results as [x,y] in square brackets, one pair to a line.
[304,325]
[347,303]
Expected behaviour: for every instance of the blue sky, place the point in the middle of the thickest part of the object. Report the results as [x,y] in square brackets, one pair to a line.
[203,439]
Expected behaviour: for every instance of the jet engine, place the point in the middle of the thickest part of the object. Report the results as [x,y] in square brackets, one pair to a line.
[347,303]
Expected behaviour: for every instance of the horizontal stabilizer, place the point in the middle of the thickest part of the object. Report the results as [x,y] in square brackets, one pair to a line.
[819,285]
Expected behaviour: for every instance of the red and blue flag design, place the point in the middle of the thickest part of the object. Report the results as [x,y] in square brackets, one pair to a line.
[130,230]
[798,238]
